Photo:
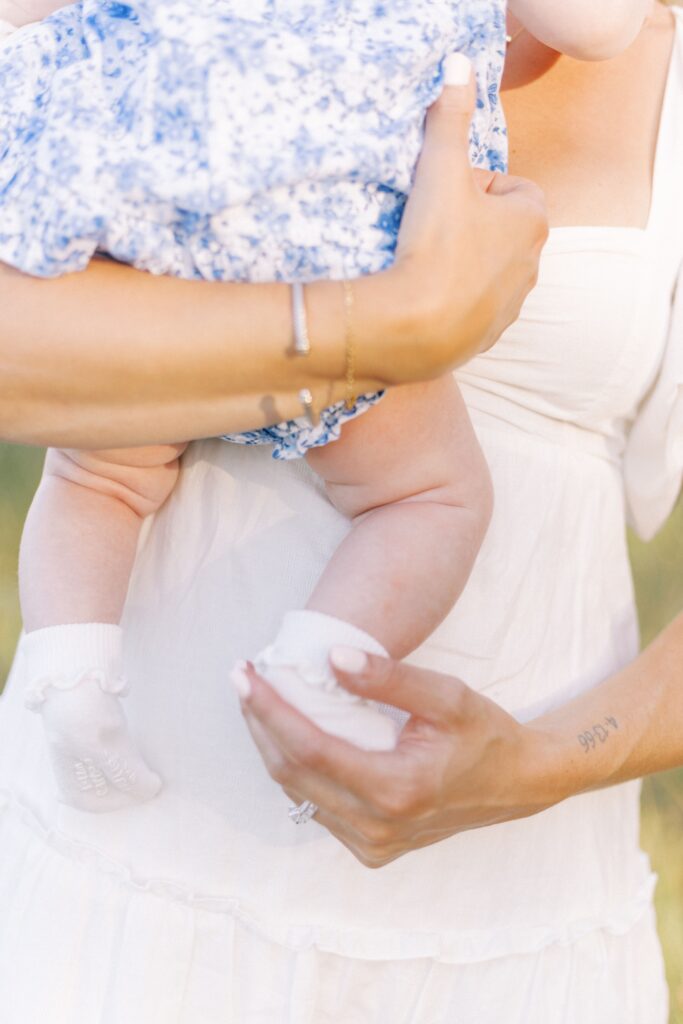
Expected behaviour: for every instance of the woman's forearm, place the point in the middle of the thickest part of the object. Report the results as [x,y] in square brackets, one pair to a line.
[114,357]
[629,726]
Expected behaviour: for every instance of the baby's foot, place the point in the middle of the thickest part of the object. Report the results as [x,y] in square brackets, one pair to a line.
[297,666]
[96,766]
[75,680]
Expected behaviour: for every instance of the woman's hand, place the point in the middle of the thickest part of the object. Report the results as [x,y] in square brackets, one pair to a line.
[461,761]
[468,249]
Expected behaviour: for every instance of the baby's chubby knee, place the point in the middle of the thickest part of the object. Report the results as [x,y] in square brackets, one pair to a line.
[141,478]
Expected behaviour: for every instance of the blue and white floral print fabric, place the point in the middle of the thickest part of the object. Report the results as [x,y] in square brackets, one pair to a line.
[241,140]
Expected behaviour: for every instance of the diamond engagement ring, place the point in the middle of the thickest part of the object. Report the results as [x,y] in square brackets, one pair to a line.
[301,813]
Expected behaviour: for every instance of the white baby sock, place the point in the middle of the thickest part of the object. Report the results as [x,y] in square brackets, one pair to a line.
[297,666]
[75,678]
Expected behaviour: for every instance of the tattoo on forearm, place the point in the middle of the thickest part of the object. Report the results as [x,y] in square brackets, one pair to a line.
[597,734]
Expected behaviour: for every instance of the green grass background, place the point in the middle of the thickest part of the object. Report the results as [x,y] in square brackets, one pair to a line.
[658,569]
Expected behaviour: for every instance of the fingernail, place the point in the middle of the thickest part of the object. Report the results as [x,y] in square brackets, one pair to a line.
[349,659]
[457,69]
[240,680]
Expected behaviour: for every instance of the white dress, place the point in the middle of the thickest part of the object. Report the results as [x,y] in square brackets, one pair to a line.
[207,905]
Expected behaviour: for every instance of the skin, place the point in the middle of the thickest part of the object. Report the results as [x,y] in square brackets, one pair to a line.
[583,29]
[160,359]
[462,762]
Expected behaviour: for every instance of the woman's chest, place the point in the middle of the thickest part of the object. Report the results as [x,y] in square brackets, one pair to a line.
[588,133]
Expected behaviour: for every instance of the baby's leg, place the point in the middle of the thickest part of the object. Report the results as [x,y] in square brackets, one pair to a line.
[414,482]
[76,557]
[82,530]
[412,478]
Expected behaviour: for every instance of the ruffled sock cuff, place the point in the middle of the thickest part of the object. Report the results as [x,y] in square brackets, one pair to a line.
[69,651]
[306,637]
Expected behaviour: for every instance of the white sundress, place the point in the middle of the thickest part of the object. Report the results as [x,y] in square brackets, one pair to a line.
[207,906]
[238,140]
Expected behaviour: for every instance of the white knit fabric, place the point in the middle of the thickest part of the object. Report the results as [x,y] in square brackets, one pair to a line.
[74,681]
[297,665]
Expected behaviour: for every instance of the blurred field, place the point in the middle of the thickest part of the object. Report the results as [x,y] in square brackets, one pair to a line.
[658,569]
[659,576]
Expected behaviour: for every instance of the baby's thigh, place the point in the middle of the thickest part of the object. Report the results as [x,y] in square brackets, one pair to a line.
[401,445]
[143,478]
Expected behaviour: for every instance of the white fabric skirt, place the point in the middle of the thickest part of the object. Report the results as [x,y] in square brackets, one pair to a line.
[207,905]
[81,944]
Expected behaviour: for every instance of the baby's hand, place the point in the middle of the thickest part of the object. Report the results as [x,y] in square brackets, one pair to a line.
[584,29]
[22,12]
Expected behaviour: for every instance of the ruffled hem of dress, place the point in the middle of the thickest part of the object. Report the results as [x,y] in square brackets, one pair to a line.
[293,439]
[454,947]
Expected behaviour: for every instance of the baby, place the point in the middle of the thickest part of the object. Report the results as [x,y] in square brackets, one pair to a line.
[121,134]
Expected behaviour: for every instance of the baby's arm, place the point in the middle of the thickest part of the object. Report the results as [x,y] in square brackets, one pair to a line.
[412,478]
[585,29]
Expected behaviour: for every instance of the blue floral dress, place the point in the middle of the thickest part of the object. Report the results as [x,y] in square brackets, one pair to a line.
[232,140]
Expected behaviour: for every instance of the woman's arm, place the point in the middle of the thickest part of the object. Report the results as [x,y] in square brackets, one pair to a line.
[629,726]
[462,762]
[584,29]
[116,357]
[113,357]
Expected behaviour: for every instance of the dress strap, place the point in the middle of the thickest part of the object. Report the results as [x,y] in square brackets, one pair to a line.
[666,213]
[653,460]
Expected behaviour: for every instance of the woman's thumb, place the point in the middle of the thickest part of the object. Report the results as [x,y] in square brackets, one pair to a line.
[447,127]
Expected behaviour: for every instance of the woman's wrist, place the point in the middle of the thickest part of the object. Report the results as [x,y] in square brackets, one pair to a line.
[627,727]
[581,746]
[551,771]
[385,330]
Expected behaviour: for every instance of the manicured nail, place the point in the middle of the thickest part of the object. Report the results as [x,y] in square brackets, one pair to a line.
[240,680]
[457,69]
[349,659]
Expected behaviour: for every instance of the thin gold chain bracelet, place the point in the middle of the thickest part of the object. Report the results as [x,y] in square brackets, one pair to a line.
[350,345]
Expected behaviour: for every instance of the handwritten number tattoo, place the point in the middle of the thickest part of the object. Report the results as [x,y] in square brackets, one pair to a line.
[597,734]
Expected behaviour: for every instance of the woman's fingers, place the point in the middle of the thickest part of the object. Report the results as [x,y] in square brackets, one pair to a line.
[430,696]
[339,811]
[445,155]
[300,747]
[468,246]
[301,784]
[443,186]
[508,185]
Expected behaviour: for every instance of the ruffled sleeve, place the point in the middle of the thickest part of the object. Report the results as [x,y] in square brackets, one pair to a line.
[653,466]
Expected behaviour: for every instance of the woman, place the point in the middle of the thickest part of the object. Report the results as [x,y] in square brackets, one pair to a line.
[464,762]
[208,904]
